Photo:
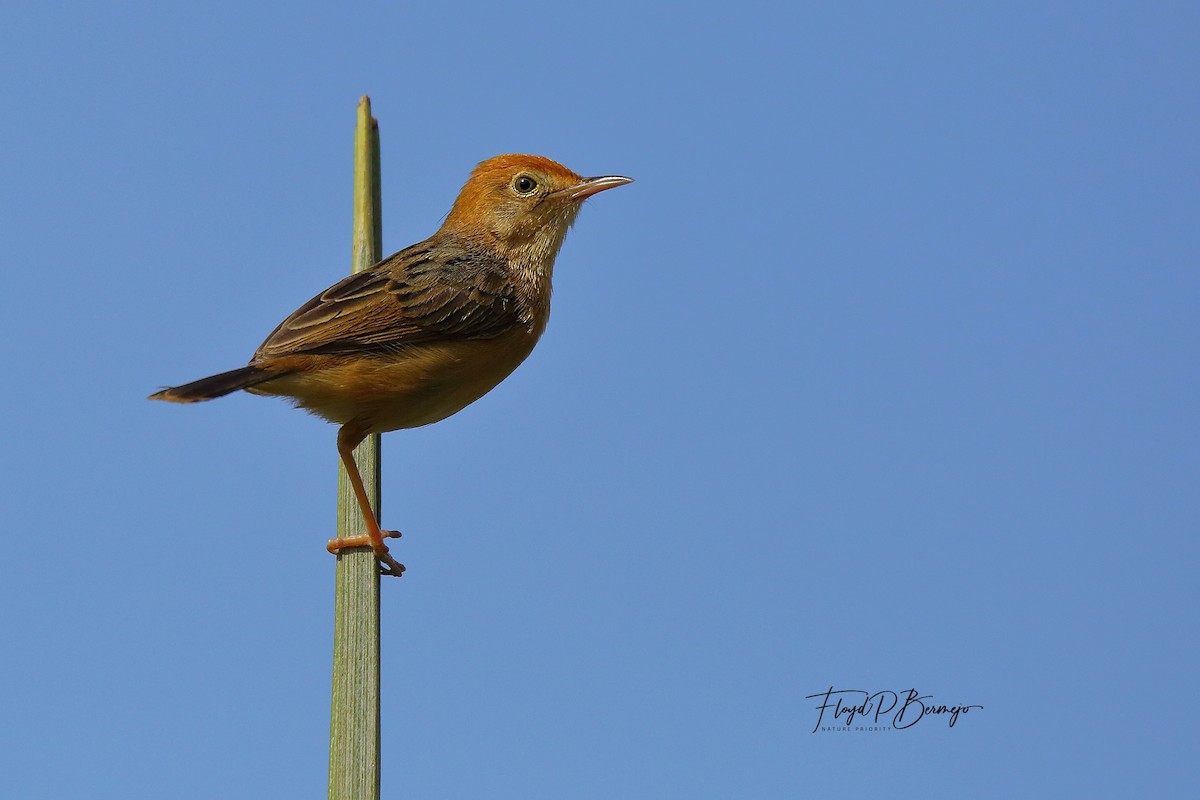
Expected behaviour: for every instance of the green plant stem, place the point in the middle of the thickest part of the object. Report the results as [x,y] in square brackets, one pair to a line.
[354,719]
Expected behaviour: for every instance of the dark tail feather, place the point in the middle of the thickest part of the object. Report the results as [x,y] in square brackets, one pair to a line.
[216,385]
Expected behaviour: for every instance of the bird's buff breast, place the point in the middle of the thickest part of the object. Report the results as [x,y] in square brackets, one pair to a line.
[418,385]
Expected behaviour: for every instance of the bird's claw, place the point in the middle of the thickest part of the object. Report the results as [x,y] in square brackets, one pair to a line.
[387,564]
[390,566]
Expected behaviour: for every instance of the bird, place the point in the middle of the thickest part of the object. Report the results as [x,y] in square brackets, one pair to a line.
[427,331]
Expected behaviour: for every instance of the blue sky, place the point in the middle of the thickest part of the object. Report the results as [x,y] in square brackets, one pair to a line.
[882,376]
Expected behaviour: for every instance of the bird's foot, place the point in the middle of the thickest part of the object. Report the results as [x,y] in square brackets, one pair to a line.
[387,564]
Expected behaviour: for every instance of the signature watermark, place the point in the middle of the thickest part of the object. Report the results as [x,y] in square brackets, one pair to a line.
[880,711]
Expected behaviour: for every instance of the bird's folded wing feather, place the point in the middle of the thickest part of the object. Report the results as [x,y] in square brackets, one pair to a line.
[432,291]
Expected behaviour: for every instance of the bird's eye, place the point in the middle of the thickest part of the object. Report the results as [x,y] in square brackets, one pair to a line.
[523,184]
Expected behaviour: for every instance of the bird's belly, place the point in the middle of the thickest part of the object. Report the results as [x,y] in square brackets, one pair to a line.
[406,389]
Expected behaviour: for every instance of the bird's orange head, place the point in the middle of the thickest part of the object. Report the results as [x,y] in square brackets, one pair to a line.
[521,206]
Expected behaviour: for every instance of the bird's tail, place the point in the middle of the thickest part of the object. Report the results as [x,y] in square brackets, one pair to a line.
[216,385]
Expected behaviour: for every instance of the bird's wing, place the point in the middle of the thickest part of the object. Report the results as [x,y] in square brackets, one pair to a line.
[429,292]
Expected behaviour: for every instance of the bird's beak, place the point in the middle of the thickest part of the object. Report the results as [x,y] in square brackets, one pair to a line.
[591,186]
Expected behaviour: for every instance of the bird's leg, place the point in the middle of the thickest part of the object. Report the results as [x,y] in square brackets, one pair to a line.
[348,439]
